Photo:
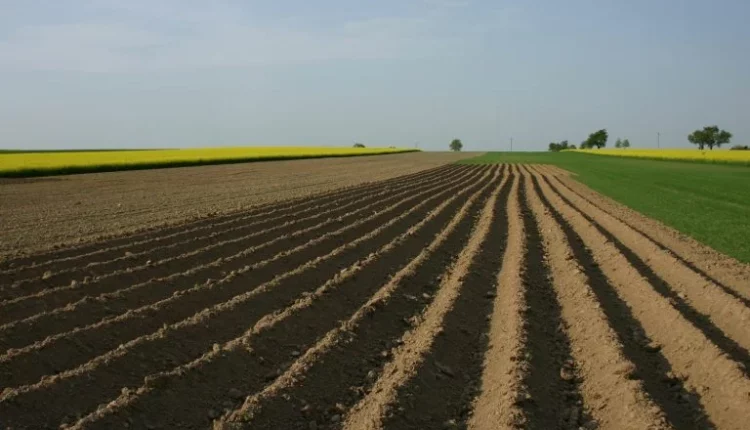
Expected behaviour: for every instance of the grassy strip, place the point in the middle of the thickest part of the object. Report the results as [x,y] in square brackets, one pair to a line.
[707,201]
[112,167]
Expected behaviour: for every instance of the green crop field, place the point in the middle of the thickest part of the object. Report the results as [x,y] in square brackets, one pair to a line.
[709,202]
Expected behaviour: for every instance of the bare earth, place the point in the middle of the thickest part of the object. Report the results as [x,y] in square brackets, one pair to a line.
[480,297]
[36,214]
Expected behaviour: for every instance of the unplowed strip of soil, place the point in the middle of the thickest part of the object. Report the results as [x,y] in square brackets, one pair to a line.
[199,265]
[262,353]
[195,336]
[610,395]
[716,383]
[63,351]
[40,213]
[718,268]
[498,405]
[101,251]
[340,368]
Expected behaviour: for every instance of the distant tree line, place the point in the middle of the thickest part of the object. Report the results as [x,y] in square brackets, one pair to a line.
[597,139]
[560,146]
[707,137]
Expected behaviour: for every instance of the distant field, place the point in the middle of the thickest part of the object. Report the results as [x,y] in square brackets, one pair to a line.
[53,151]
[44,163]
[695,155]
[709,202]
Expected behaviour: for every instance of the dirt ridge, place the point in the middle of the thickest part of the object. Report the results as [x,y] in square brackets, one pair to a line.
[217,234]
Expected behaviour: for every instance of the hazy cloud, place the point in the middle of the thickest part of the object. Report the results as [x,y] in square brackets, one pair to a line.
[143,36]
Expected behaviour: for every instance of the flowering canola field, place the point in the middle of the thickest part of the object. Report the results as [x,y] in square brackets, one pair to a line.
[715,156]
[46,163]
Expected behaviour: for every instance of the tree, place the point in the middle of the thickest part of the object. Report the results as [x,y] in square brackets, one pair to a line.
[557,147]
[597,139]
[456,145]
[697,138]
[359,145]
[626,143]
[710,136]
[572,146]
[618,143]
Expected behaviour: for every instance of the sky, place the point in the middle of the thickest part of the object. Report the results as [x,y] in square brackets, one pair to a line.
[196,73]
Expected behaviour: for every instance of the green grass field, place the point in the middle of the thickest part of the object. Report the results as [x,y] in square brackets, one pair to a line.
[709,202]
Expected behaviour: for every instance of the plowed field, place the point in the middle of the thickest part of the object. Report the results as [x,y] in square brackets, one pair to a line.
[479,297]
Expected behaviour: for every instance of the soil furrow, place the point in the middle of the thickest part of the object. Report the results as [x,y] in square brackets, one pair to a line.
[333,375]
[176,344]
[168,231]
[253,360]
[693,380]
[216,238]
[256,249]
[152,236]
[649,366]
[680,300]
[351,356]
[551,396]
[64,351]
[610,394]
[446,383]
[372,410]
[498,404]
[727,273]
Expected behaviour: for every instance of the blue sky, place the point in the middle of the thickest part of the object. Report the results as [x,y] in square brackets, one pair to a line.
[186,73]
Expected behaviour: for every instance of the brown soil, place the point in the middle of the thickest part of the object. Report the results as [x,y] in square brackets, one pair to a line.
[41,213]
[475,297]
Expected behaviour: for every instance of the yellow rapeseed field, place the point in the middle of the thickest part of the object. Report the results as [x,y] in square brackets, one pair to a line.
[40,163]
[715,156]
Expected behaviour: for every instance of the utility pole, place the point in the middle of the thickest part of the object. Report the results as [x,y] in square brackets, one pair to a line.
[511,144]
[658,139]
